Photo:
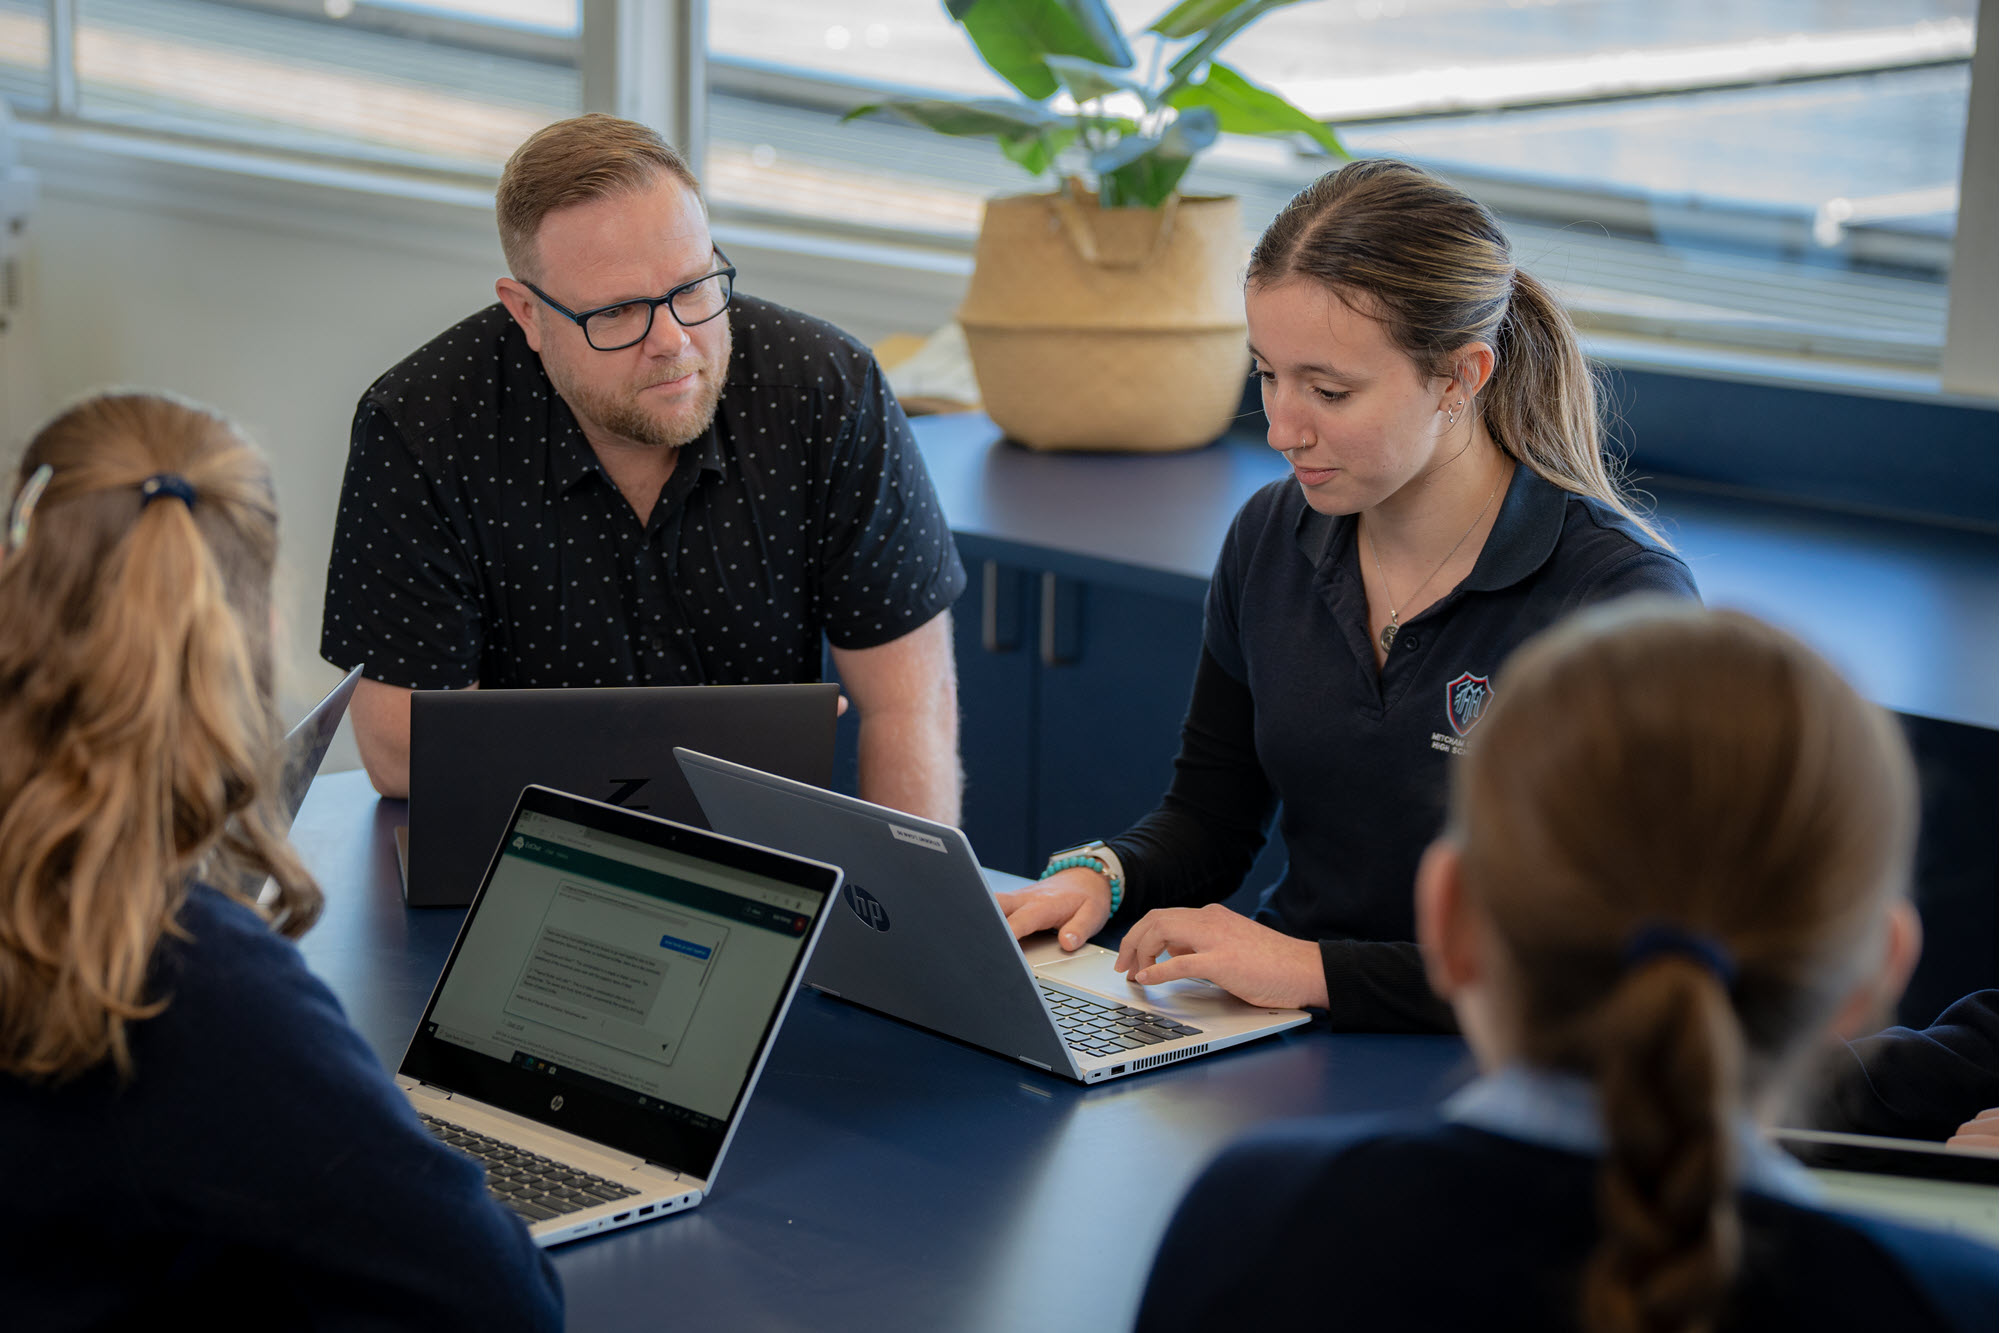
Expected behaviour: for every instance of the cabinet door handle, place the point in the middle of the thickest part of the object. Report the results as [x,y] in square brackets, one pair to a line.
[999,608]
[1060,627]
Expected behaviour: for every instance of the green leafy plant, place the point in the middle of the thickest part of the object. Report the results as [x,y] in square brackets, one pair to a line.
[1136,132]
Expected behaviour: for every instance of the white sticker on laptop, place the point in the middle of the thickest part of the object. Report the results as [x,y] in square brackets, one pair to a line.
[936,844]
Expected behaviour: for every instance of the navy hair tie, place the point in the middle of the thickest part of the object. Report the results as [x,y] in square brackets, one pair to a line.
[166,483]
[1652,940]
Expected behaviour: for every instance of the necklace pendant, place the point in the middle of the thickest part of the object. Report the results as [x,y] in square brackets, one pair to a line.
[1388,634]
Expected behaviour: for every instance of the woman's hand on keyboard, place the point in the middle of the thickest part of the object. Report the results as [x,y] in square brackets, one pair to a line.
[1076,902]
[1252,962]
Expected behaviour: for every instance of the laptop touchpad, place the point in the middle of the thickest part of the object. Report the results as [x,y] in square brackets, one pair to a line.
[1090,969]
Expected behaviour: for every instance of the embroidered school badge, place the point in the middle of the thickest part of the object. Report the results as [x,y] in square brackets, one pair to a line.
[1465,699]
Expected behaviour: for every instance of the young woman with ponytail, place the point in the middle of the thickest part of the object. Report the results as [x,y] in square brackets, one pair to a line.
[1674,873]
[191,1135]
[1449,498]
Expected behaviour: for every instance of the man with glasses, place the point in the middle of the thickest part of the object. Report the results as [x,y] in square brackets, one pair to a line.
[628,473]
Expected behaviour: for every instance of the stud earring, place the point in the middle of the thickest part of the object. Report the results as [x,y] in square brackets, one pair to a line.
[1451,418]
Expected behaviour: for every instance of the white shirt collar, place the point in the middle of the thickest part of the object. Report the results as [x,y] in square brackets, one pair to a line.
[1559,1110]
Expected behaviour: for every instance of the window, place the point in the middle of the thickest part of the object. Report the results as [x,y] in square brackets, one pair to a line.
[446,84]
[1778,176]
[24,52]
[1771,174]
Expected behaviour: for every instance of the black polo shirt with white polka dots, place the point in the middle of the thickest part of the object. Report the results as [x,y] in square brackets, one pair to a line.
[479,539]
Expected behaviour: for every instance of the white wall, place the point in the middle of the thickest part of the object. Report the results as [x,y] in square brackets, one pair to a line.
[279,301]
[279,331]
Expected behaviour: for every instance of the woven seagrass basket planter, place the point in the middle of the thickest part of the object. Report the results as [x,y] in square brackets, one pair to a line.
[1108,328]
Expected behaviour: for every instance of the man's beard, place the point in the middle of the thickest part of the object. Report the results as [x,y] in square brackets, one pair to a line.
[625,416]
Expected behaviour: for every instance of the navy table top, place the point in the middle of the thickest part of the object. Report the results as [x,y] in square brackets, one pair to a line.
[1909,611]
[884,1177]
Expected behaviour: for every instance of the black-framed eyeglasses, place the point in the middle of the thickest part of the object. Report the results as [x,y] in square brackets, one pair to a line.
[610,328]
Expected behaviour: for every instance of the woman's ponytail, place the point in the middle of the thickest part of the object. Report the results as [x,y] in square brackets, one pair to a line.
[1541,404]
[1668,1054]
[138,745]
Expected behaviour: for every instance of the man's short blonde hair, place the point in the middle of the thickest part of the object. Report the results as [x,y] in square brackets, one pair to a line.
[572,162]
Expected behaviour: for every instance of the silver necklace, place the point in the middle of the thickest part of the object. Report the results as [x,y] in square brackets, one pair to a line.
[1388,635]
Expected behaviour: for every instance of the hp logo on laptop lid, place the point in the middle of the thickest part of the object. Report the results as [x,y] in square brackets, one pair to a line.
[866,906]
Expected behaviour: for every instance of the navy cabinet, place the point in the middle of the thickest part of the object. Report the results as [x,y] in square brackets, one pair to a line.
[1071,695]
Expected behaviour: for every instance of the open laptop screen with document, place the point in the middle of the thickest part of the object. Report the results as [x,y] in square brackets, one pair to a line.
[611,983]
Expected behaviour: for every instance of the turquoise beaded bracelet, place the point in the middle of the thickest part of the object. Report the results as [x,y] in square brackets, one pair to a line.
[1089,863]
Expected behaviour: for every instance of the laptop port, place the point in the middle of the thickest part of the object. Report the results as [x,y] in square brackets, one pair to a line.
[621,1217]
[1118,1069]
[647,1211]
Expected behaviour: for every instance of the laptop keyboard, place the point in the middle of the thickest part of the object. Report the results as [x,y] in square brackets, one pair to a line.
[1098,1028]
[536,1187]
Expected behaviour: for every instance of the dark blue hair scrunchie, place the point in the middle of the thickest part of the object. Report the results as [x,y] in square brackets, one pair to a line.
[1660,937]
[166,483]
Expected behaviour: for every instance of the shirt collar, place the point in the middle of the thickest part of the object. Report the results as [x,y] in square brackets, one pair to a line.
[1524,534]
[1559,1110]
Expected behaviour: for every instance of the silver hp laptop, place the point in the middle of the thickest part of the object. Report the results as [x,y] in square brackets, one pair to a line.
[922,940]
[306,744]
[471,752]
[305,750]
[609,1004]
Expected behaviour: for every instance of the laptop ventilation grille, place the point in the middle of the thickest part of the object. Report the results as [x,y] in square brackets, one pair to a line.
[1152,1060]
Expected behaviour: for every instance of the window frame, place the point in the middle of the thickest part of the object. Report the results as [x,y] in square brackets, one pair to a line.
[626,44]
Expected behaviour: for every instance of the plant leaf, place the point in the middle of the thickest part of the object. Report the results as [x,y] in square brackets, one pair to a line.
[1101,26]
[1140,172]
[1005,120]
[1038,154]
[1243,107]
[1086,79]
[1190,61]
[1092,16]
[1121,154]
[1145,182]
[1015,37]
[1190,17]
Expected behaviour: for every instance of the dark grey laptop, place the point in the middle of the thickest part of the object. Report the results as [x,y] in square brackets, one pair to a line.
[922,940]
[605,1013]
[471,752]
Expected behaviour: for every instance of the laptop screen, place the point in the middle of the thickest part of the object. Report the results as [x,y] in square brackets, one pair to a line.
[619,976]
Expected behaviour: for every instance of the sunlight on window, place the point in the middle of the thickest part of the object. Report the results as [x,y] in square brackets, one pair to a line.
[455,84]
[24,52]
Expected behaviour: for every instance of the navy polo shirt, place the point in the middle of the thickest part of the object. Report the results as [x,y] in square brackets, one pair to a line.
[479,539]
[1290,711]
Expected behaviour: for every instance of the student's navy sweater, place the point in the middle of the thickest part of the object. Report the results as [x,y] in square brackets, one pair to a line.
[1418,1225]
[1917,1085]
[260,1170]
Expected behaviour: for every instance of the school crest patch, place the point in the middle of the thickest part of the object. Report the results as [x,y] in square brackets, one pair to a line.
[1465,699]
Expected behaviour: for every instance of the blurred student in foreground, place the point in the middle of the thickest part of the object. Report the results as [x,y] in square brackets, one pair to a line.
[190,1132]
[1675,868]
